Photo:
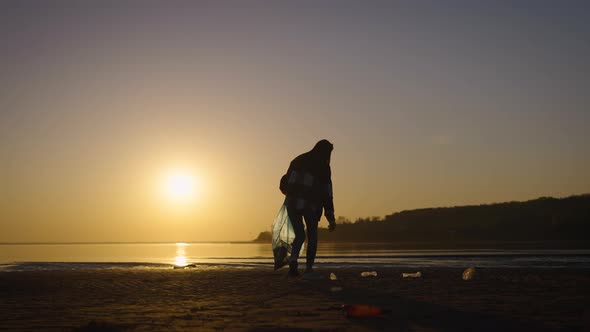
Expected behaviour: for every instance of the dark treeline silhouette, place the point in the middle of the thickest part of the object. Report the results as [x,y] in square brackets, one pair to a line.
[545,222]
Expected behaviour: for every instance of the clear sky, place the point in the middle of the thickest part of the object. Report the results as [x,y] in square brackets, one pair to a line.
[428,103]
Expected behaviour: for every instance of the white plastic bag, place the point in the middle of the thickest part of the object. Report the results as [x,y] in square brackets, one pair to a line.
[283,235]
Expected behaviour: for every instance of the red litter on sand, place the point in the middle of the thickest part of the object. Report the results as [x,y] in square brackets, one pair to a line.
[362,310]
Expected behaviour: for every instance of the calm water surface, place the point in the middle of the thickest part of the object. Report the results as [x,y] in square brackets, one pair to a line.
[165,255]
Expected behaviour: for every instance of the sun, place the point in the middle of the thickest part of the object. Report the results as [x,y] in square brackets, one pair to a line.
[180,186]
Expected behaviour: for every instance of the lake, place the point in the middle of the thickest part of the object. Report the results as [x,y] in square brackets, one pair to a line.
[165,255]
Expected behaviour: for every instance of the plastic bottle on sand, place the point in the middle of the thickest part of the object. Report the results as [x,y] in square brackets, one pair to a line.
[412,275]
[469,273]
[362,310]
[367,274]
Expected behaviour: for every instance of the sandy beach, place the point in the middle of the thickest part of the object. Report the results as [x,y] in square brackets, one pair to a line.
[259,299]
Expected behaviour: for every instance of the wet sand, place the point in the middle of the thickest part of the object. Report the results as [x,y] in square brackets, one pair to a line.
[259,299]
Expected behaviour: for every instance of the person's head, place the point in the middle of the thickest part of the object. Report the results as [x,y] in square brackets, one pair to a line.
[323,150]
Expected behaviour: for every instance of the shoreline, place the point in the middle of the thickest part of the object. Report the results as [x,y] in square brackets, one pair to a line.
[494,259]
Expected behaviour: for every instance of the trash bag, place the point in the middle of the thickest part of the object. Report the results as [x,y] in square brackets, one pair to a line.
[283,235]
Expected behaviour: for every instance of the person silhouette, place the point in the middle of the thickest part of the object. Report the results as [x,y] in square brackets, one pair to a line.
[307,186]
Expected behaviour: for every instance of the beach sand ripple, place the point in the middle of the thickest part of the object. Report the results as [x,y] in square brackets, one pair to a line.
[260,299]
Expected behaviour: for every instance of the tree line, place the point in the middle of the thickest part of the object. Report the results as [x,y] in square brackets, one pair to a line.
[546,222]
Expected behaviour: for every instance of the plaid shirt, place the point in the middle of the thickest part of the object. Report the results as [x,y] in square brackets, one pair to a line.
[308,189]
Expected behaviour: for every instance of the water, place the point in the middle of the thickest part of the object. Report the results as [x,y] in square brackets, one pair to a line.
[15,257]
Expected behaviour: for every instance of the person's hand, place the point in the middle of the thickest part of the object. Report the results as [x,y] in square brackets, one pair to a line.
[332,226]
[331,223]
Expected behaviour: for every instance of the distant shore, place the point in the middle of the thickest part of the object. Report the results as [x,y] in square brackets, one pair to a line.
[542,223]
[260,299]
[395,245]
[471,245]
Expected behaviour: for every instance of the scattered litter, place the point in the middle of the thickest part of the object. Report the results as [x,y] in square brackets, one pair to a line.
[369,274]
[333,276]
[469,273]
[412,275]
[362,310]
[335,289]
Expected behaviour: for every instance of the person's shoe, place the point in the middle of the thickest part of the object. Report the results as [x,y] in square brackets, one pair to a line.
[293,270]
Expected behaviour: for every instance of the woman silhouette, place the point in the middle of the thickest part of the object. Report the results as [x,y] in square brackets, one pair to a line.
[308,189]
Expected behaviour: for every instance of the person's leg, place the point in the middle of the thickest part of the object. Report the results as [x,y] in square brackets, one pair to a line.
[312,240]
[297,222]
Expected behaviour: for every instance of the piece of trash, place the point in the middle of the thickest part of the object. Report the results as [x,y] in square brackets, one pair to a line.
[335,289]
[369,274]
[412,275]
[333,276]
[469,273]
[362,310]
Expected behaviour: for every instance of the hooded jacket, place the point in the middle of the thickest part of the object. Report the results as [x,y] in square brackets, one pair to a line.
[308,182]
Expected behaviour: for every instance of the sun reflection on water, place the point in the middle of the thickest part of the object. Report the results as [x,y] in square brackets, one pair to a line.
[180,259]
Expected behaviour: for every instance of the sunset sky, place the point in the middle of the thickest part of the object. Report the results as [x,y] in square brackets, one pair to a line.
[174,120]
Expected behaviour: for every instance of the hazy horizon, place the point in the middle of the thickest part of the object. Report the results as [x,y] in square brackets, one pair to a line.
[188,240]
[174,121]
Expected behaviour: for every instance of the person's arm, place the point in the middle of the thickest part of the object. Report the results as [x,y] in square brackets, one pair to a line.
[284,185]
[329,200]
